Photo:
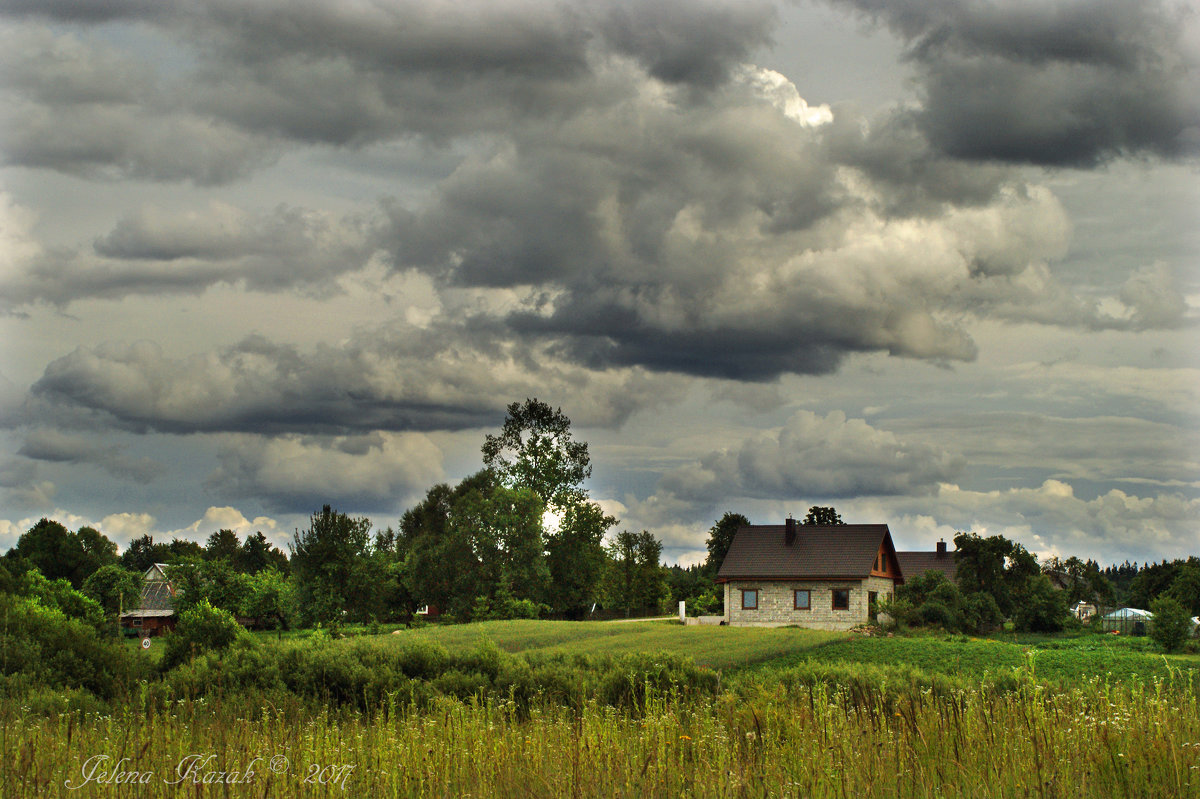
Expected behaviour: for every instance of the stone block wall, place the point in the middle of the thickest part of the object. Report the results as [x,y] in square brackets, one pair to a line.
[775,603]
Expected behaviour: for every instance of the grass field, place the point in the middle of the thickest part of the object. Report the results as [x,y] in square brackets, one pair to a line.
[1054,659]
[797,714]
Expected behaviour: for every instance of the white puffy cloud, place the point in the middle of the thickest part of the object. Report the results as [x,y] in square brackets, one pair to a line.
[126,526]
[229,518]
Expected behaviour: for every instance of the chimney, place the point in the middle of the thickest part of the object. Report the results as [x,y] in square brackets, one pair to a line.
[941,550]
[789,531]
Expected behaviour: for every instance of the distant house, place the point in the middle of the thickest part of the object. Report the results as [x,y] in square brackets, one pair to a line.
[821,577]
[1084,611]
[156,609]
[916,563]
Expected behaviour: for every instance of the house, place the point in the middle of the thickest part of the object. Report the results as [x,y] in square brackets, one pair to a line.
[156,609]
[821,577]
[916,563]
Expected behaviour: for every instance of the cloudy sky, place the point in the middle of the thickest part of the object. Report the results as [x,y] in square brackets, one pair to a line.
[933,262]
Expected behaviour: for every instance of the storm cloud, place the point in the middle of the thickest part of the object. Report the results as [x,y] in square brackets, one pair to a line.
[1072,83]
[396,379]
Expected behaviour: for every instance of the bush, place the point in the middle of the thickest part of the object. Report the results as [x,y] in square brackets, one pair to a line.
[981,614]
[43,647]
[201,628]
[1171,624]
[1043,608]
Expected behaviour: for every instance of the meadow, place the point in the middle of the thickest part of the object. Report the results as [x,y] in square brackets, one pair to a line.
[646,709]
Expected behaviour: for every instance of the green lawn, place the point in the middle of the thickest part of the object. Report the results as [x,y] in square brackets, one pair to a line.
[1053,659]
[716,647]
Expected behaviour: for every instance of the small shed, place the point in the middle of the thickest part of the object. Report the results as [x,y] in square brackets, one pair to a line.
[156,609]
[1126,621]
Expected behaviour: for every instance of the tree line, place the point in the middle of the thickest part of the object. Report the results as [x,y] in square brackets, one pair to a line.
[520,538]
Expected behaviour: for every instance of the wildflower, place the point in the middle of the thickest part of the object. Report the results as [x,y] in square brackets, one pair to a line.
[685,737]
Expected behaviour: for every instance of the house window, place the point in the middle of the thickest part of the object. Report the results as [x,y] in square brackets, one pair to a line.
[800,599]
[136,622]
[841,599]
[749,599]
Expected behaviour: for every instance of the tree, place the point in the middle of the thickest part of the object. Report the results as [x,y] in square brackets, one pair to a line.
[439,562]
[114,587]
[223,544]
[142,553]
[636,579]
[201,628]
[1185,588]
[535,450]
[1170,626]
[265,599]
[213,581]
[59,553]
[257,554]
[823,516]
[575,556]
[720,536]
[504,529]
[1043,608]
[324,561]
[980,563]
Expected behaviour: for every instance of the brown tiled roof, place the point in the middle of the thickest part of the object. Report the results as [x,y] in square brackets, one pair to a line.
[819,552]
[915,564]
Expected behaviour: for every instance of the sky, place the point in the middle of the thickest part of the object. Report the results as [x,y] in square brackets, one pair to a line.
[931,262]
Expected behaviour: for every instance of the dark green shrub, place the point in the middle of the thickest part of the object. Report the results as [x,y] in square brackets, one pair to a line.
[1171,624]
[981,614]
[44,647]
[423,660]
[1042,609]
[934,613]
[201,628]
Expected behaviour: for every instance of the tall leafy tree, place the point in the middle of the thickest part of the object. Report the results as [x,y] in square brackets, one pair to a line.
[60,554]
[821,515]
[258,554]
[636,578]
[214,581]
[981,564]
[142,553]
[535,450]
[440,565]
[720,536]
[222,545]
[114,587]
[575,555]
[325,560]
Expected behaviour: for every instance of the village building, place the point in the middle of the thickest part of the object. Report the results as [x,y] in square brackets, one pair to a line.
[155,612]
[916,563]
[820,577]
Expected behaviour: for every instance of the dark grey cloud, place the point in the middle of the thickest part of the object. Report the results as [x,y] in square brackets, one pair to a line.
[255,75]
[394,379]
[1064,84]
[160,251]
[54,446]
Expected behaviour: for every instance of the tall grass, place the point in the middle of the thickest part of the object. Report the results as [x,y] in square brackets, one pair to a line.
[793,737]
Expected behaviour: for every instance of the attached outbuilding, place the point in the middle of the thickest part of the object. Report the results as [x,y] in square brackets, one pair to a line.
[820,577]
